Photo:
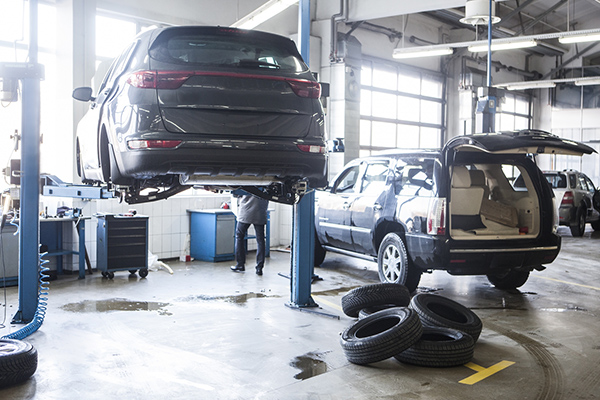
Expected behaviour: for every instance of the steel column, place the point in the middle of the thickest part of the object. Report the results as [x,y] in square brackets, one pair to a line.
[29,237]
[303,239]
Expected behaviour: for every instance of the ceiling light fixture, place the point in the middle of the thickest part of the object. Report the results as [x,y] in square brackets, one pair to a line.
[503,46]
[426,51]
[588,81]
[263,13]
[591,37]
[530,85]
[477,12]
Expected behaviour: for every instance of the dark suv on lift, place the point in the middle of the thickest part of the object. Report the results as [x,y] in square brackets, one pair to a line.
[213,107]
[480,206]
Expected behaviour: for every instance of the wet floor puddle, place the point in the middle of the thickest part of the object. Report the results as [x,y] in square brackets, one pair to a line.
[116,305]
[310,364]
[238,299]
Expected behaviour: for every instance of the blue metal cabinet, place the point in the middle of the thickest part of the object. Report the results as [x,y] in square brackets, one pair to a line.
[122,244]
[212,235]
[9,253]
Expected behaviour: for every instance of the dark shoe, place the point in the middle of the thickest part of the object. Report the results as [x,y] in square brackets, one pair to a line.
[258,271]
[237,268]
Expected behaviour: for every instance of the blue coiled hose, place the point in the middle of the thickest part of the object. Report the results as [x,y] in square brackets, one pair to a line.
[40,312]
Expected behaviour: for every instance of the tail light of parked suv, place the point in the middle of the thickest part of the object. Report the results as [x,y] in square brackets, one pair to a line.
[311,148]
[567,199]
[174,79]
[436,218]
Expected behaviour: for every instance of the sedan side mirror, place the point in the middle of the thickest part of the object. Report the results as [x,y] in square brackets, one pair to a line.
[83,94]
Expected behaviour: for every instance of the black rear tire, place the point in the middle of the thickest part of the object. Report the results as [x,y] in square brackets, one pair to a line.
[393,263]
[510,280]
[578,229]
[374,295]
[596,225]
[18,361]
[440,311]
[381,335]
[439,347]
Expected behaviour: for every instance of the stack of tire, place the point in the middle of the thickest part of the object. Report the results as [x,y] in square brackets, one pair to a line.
[428,330]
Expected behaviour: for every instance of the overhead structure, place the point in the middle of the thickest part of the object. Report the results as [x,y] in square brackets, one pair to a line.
[263,13]
[478,13]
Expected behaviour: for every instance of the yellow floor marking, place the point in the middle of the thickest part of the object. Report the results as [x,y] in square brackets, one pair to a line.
[484,372]
[319,299]
[568,283]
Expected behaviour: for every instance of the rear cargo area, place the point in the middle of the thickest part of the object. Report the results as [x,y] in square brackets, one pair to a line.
[492,202]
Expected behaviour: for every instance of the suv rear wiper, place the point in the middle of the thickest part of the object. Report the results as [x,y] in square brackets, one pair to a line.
[256,63]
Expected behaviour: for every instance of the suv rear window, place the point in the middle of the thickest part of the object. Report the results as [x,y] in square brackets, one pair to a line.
[221,49]
[557,181]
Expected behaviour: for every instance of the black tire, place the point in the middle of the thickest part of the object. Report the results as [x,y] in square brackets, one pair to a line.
[440,311]
[110,275]
[18,361]
[365,312]
[596,225]
[393,263]
[439,347]
[374,295]
[143,273]
[319,252]
[132,271]
[578,229]
[381,335]
[511,279]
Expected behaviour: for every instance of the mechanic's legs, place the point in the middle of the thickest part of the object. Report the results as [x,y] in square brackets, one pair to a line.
[240,249]
[260,248]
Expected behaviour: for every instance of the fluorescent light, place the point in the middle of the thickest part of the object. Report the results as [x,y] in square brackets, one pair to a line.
[426,51]
[503,46]
[263,13]
[588,81]
[580,38]
[530,85]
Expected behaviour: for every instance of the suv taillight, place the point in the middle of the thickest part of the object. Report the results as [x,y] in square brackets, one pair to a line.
[311,148]
[305,88]
[567,199]
[436,217]
[159,79]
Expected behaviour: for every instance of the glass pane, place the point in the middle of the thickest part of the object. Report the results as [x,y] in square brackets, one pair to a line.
[409,83]
[365,75]
[364,153]
[15,21]
[385,79]
[384,134]
[408,137]
[365,133]
[509,104]
[431,88]
[365,102]
[521,123]
[384,105]
[430,138]
[408,109]
[431,112]
[507,122]
[112,36]
[47,26]
[521,106]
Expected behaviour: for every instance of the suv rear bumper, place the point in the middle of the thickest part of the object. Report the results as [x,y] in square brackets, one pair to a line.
[437,253]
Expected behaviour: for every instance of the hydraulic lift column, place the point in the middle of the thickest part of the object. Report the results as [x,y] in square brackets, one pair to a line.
[303,235]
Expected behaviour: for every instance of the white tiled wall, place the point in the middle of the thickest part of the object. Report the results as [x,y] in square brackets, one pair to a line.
[168,223]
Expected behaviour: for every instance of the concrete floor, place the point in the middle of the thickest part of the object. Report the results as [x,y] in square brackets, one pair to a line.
[207,333]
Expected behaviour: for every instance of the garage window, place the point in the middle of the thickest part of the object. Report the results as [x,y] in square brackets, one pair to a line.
[399,108]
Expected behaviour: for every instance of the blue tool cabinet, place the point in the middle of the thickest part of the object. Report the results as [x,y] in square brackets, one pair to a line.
[122,244]
[212,235]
